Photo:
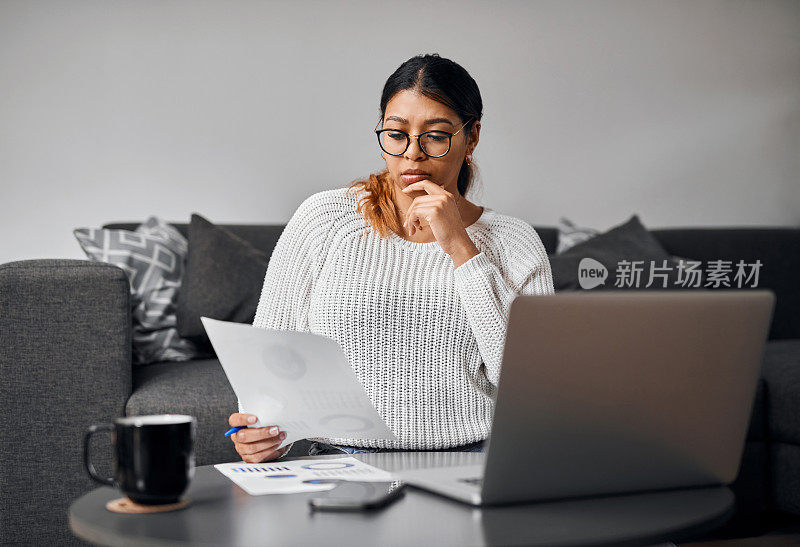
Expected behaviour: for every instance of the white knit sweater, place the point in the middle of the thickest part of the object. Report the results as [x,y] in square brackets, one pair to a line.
[425,339]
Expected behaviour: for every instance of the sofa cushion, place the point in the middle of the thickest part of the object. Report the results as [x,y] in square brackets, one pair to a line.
[785,465]
[223,279]
[153,257]
[199,388]
[757,429]
[781,371]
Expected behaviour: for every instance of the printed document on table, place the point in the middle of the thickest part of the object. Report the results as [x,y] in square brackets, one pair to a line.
[307,475]
[300,381]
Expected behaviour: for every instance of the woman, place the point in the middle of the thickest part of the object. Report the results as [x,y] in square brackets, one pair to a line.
[412,279]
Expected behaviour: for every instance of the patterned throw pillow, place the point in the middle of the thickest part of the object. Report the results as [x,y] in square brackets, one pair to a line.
[154,257]
[570,235]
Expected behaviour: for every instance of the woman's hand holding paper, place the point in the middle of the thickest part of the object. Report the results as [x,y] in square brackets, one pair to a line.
[258,444]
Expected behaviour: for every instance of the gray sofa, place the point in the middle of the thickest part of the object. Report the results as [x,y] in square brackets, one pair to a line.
[65,361]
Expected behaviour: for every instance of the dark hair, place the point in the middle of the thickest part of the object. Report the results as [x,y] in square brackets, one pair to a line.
[444,81]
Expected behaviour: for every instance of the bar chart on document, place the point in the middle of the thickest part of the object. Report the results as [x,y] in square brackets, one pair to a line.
[299,475]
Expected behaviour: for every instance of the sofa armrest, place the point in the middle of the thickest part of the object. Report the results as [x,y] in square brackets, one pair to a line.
[65,363]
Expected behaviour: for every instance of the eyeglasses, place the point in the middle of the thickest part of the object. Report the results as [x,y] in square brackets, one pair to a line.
[434,144]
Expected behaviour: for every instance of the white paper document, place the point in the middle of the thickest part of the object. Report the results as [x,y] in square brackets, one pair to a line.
[288,477]
[300,381]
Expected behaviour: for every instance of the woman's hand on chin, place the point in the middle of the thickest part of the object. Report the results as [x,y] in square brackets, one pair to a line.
[439,209]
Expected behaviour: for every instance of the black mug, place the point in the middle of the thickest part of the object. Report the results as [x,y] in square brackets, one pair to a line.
[153,456]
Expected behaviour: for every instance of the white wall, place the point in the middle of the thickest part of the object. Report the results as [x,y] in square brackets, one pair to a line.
[685,112]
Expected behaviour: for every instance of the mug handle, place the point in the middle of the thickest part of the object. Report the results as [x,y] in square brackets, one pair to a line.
[87,460]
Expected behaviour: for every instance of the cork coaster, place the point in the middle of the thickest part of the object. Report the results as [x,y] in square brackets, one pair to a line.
[127,505]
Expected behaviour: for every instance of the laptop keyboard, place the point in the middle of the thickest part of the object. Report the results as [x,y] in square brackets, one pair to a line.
[477,481]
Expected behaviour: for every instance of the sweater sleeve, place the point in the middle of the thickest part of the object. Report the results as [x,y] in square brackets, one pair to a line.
[486,291]
[292,271]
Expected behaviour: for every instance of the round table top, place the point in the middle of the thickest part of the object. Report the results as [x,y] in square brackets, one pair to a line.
[221,513]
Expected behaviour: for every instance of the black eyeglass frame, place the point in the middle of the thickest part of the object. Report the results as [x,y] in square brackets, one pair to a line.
[419,142]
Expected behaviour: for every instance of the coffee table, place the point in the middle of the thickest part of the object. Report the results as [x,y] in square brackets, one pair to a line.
[221,513]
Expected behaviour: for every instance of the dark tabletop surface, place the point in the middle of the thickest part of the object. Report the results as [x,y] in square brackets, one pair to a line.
[221,513]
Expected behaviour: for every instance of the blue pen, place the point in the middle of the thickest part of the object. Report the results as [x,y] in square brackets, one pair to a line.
[233,430]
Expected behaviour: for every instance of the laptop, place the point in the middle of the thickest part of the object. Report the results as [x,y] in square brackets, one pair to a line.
[616,392]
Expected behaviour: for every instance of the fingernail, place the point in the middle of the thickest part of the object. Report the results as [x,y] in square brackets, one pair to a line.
[251,419]
[273,430]
[283,435]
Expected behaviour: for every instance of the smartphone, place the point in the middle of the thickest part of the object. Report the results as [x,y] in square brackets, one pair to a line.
[357,496]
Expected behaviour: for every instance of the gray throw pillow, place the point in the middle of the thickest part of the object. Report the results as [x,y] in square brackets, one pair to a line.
[153,256]
[630,242]
[223,280]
